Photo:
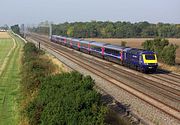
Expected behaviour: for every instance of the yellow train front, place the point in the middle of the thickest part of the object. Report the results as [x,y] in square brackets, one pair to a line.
[143,60]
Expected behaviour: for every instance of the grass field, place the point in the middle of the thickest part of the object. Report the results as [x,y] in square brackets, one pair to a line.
[10,53]
[136,42]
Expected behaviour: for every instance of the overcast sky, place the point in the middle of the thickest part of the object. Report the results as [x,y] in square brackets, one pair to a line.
[59,11]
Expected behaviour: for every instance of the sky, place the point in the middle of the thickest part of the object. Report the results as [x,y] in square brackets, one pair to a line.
[60,11]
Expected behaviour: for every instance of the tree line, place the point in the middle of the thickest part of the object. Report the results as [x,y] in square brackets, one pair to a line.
[15,29]
[99,29]
[5,27]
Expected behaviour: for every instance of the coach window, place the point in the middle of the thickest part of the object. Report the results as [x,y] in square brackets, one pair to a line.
[93,47]
[84,45]
[97,48]
[115,52]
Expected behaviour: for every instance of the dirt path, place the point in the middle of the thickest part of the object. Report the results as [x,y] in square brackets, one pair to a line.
[9,86]
[7,57]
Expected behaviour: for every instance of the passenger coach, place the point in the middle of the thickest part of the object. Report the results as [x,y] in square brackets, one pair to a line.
[114,53]
[85,46]
[97,49]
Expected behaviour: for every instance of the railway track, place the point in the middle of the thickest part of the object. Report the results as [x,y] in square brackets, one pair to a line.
[172,77]
[171,93]
[119,83]
[163,75]
[166,78]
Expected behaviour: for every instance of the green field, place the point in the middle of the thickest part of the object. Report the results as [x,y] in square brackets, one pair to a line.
[10,55]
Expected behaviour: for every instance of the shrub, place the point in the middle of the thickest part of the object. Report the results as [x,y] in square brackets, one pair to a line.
[169,54]
[67,98]
[34,68]
[123,43]
[165,52]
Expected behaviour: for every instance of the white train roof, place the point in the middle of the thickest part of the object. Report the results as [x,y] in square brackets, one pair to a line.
[86,41]
[115,47]
[100,44]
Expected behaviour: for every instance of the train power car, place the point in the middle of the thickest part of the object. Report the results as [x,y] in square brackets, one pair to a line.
[54,38]
[58,39]
[139,59]
[142,60]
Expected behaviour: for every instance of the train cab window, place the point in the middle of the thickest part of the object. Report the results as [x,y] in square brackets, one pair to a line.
[150,57]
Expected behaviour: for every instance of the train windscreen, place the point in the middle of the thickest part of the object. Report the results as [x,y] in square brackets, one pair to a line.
[150,57]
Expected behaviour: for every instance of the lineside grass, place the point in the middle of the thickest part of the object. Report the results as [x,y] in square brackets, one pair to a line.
[9,83]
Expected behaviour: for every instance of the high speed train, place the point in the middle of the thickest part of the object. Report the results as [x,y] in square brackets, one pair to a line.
[139,59]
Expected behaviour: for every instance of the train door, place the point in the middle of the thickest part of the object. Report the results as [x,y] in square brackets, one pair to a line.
[140,59]
[124,55]
[102,51]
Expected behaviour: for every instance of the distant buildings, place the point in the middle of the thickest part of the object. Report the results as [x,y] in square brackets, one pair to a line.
[3,30]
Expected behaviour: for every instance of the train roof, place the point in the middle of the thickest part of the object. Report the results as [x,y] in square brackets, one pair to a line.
[86,41]
[75,39]
[61,37]
[54,36]
[148,52]
[100,44]
[68,38]
[137,51]
[115,47]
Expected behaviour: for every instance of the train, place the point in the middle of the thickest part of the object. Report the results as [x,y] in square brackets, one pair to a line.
[142,60]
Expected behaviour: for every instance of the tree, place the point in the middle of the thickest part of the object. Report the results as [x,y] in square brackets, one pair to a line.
[15,29]
[5,27]
[70,31]
[113,29]
[149,31]
[169,54]
[109,30]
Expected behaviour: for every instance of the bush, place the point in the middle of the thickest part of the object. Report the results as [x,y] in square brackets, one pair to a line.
[123,43]
[67,98]
[165,52]
[169,54]
[34,68]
